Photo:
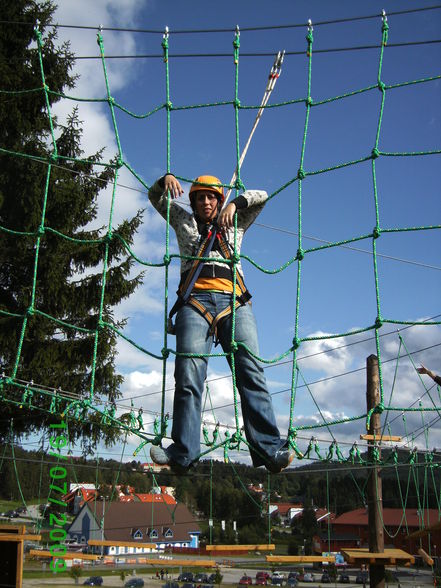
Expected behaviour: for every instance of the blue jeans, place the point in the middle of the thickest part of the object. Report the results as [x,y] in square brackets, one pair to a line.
[193,336]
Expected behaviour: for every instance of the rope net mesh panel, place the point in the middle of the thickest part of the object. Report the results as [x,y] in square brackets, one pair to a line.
[68,404]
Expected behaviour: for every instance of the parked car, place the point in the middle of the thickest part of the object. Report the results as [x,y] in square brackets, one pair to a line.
[261,581]
[200,579]
[362,578]
[291,582]
[212,579]
[265,575]
[185,577]
[171,585]
[326,578]
[11,514]
[277,580]
[343,579]
[93,581]
[134,583]
[293,575]
[189,585]
[308,577]
[246,580]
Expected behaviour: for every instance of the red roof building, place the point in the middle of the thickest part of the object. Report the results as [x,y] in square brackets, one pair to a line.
[351,529]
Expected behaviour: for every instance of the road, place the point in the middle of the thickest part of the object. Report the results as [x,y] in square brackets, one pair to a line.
[408,578]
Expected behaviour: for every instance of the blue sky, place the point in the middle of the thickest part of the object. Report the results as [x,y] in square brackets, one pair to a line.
[337,286]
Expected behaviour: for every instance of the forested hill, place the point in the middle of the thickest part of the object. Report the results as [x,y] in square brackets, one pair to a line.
[339,487]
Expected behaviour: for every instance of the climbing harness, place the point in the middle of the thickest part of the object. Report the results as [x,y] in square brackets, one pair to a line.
[200,269]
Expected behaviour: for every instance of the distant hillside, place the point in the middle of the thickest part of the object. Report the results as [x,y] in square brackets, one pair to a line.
[228,492]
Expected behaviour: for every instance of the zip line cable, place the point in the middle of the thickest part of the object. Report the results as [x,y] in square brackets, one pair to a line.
[350,247]
[232,29]
[257,224]
[245,54]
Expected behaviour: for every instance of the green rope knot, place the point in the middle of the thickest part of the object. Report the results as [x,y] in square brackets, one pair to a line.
[309,37]
[239,185]
[375,153]
[236,103]
[111,100]
[226,446]
[165,352]
[40,230]
[54,157]
[378,322]
[166,259]
[296,343]
[169,105]
[376,232]
[301,174]
[235,258]
[379,408]
[234,347]
[140,420]
[101,324]
[291,438]
[385,31]
[99,38]
[300,254]
[292,434]
[165,42]
[309,101]
[108,237]
[236,42]
[381,86]
[30,311]
[119,162]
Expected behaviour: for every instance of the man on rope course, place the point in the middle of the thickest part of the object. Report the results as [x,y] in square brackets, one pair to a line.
[204,312]
[424,370]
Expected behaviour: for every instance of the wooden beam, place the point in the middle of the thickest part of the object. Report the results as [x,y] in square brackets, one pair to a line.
[14,537]
[68,555]
[171,563]
[235,547]
[301,558]
[426,531]
[109,543]
[393,438]
[426,557]
[364,556]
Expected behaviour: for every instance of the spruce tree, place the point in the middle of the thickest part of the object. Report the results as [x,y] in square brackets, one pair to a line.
[68,273]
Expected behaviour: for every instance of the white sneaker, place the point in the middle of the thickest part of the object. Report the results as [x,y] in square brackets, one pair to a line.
[159,455]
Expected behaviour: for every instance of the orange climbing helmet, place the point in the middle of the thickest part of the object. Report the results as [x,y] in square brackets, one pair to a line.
[207,183]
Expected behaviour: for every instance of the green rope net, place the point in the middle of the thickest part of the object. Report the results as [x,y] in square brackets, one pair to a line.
[69,406]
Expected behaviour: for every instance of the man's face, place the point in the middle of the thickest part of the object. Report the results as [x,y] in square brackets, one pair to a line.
[206,205]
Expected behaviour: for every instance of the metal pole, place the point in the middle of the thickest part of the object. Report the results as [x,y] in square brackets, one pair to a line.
[374,485]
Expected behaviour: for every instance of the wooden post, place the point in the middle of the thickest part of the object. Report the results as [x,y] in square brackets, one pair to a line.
[12,540]
[374,486]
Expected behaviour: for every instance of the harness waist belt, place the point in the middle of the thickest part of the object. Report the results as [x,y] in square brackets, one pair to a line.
[211,271]
[202,269]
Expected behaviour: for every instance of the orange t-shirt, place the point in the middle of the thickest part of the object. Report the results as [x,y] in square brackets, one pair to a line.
[218,284]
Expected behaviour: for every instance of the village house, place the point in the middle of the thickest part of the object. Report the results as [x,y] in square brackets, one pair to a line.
[351,529]
[165,525]
[81,493]
[288,512]
[285,511]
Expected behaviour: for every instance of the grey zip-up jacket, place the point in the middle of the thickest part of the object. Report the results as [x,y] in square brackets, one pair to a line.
[190,232]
